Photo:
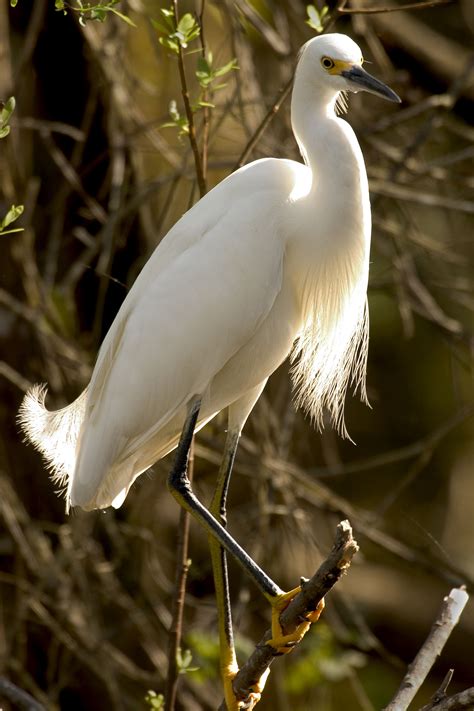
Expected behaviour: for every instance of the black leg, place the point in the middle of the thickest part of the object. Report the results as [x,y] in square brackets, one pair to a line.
[179,485]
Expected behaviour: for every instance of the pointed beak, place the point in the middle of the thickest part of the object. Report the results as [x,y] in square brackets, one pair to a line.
[361,80]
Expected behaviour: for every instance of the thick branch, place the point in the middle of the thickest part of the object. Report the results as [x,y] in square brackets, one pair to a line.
[312,592]
[449,615]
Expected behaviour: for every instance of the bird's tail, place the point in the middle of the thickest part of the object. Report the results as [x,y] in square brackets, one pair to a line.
[54,434]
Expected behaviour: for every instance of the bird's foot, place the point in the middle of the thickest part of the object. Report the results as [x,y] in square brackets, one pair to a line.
[251,700]
[284,643]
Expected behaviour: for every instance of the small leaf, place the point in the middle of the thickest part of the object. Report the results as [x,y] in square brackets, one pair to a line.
[13,3]
[158,26]
[186,24]
[314,18]
[123,17]
[169,43]
[226,68]
[13,214]
[203,66]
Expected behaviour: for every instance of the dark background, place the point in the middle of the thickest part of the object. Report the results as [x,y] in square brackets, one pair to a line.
[86,598]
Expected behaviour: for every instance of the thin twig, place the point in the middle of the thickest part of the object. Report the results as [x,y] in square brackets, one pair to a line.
[464,701]
[409,6]
[312,592]
[21,699]
[449,615]
[206,117]
[189,112]
[176,628]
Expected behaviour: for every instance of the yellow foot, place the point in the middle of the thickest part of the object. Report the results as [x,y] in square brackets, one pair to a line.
[231,702]
[284,643]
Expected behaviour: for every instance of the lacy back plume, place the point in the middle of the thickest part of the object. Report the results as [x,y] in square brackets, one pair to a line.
[54,434]
[331,351]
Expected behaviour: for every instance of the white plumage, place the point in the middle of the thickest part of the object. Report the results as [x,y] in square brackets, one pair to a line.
[273,258]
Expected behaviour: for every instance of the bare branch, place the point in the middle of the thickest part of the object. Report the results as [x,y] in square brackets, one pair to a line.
[464,701]
[20,698]
[423,5]
[449,615]
[312,592]
[182,568]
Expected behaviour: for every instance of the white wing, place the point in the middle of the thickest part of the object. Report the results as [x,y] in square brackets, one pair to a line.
[200,298]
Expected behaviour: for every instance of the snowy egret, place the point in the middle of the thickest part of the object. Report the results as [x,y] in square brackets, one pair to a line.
[273,260]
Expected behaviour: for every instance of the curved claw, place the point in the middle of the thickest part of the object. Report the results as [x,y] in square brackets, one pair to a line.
[281,643]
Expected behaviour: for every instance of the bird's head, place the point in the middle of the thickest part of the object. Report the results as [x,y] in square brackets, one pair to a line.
[335,62]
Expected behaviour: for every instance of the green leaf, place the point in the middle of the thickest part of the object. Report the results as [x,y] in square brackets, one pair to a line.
[203,66]
[13,214]
[314,18]
[155,701]
[226,68]
[5,114]
[13,3]
[159,27]
[186,24]
[123,17]
[169,43]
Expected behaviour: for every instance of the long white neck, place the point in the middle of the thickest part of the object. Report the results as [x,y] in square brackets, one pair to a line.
[328,144]
[329,252]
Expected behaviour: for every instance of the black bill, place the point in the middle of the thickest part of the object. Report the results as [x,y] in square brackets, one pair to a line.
[364,81]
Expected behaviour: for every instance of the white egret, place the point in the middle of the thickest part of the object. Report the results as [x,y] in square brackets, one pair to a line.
[273,260]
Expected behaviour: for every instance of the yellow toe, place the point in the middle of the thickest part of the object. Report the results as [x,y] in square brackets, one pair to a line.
[281,643]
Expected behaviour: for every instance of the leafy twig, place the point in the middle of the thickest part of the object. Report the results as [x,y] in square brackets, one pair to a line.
[189,112]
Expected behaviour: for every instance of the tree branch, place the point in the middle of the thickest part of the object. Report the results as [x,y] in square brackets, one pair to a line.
[464,701]
[449,615]
[312,592]
[189,113]
[17,696]
[424,4]
[176,629]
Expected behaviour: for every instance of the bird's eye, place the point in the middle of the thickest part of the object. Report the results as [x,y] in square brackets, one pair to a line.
[327,62]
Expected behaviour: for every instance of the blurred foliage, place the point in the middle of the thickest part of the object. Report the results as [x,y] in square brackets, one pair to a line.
[85,599]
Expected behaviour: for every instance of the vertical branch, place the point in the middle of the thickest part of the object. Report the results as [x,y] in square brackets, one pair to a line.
[206,112]
[182,565]
[189,112]
[176,629]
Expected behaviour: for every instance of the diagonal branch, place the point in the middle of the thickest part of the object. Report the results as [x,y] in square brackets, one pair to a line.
[420,5]
[312,592]
[449,615]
